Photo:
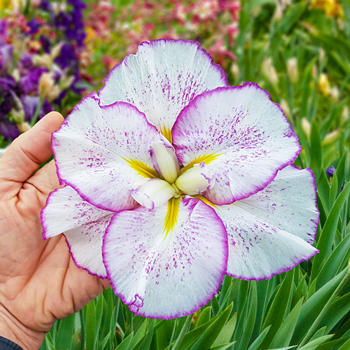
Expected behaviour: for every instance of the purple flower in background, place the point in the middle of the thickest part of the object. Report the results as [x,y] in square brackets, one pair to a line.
[29,83]
[45,5]
[174,179]
[330,171]
[34,26]
[6,58]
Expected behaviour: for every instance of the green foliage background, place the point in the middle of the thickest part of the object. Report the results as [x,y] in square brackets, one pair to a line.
[309,307]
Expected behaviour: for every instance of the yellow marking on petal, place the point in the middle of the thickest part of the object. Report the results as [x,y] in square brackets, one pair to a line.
[206,158]
[167,134]
[206,201]
[141,168]
[172,214]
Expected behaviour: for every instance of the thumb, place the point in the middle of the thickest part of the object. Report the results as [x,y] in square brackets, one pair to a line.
[30,150]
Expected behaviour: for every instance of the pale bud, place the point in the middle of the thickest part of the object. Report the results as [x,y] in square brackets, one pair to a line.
[292,69]
[235,70]
[286,109]
[334,92]
[270,71]
[47,87]
[306,126]
[66,81]
[16,75]
[323,84]
[154,193]
[278,12]
[42,61]
[330,137]
[314,71]
[17,115]
[56,50]
[23,127]
[345,114]
[196,180]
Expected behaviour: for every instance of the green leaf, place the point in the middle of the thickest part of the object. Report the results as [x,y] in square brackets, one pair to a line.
[312,345]
[91,335]
[345,346]
[328,232]
[257,342]
[146,343]
[182,334]
[126,343]
[222,347]
[139,335]
[335,262]
[226,334]
[204,317]
[207,339]
[315,149]
[285,332]
[313,306]
[65,333]
[247,321]
[278,309]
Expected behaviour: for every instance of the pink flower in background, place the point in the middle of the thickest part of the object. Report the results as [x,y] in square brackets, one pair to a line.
[174,179]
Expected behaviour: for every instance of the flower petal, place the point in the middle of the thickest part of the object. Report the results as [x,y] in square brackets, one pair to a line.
[242,134]
[162,78]
[103,151]
[166,276]
[82,224]
[271,231]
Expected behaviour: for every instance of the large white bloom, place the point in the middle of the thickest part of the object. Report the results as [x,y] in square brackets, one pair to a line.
[174,179]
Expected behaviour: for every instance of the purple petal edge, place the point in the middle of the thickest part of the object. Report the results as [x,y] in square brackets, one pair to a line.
[204,52]
[79,266]
[122,297]
[44,227]
[290,134]
[274,273]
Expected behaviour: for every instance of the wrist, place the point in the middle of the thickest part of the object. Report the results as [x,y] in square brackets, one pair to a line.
[12,329]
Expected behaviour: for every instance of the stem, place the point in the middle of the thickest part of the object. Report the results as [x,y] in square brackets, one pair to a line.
[326,308]
[37,111]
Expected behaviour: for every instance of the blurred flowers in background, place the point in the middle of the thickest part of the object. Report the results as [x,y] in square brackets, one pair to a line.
[39,62]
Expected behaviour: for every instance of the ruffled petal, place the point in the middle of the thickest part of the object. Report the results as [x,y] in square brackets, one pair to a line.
[163,275]
[243,137]
[82,224]
[272,231]
[162,78]
[103,151]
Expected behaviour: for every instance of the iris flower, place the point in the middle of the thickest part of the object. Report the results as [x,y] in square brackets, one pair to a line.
[174,179]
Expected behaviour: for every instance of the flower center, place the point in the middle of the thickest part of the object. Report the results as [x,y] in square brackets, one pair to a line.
[171,183]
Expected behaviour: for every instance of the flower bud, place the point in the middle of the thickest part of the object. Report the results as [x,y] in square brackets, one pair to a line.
[42,60]
[23,127]
[196,180]
[292,69]
[306,126]
[153,193]
[334,92]
[286,109]
[323,85]
[56,50]
[235,70]
[345,114]
[47,87]
[270,71]
[330,137]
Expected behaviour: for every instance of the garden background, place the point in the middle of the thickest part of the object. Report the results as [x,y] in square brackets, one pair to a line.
[54,53]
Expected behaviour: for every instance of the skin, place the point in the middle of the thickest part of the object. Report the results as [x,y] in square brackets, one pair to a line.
[39,282]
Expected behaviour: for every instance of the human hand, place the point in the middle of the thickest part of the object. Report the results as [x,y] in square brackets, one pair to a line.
[39,282]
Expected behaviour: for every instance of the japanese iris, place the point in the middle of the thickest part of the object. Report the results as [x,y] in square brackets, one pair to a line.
[173,179]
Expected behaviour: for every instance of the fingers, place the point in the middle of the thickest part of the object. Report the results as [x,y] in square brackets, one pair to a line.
[30,150]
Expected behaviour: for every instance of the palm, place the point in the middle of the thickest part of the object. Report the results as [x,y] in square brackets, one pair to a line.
[39,281]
